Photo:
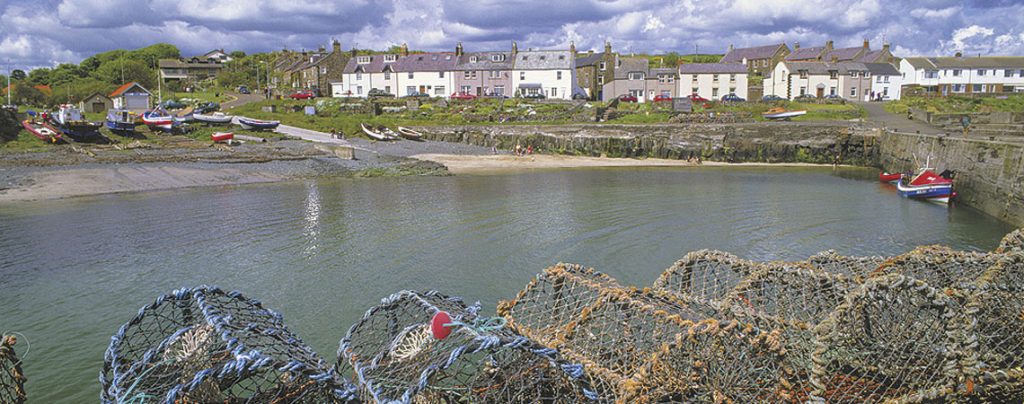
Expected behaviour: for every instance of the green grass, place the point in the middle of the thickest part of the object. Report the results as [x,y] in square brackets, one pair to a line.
[204,96]
[955,105]
[815,112]
[25,142]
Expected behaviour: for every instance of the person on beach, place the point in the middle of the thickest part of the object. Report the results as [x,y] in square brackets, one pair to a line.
[334,133]
[519,150]
[965,121]
[494,149]
[529,149]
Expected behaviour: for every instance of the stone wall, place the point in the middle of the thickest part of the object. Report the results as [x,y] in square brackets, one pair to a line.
[989,174]
[10,125]
[774,142]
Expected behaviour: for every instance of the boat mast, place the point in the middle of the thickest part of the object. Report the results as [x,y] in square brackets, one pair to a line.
[9,81]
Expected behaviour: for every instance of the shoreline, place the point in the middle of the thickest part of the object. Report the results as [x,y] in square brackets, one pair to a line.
[506,162]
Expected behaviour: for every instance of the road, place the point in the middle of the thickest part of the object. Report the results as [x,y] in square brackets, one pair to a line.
[240,99]
[878,115]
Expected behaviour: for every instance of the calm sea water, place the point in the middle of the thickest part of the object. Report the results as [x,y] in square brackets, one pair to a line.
[322,252]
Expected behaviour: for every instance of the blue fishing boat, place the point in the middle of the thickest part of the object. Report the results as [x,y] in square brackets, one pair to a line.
[928,186]
[256,124]
[120,121]
[70,121]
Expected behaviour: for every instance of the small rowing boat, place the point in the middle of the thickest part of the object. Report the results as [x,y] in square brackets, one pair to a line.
[219,137]
[782,113]
[380,134]
[42,130]
[409,134]
[256,124]
[891,178]
[216,118]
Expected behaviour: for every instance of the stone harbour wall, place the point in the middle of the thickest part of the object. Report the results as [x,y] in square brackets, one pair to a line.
[990,174]
[754,142]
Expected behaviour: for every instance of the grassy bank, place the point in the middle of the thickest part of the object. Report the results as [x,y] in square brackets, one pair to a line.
[953,105]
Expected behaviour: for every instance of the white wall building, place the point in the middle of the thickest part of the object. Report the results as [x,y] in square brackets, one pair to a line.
[366,72]
[713,80]
[964,75]
[551,72]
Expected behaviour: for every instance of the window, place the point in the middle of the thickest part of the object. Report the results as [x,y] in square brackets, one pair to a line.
[522,75]
[803,75]
[981,72]
[410,75]
[693,90]
[323,69]
[359,76]
[410,90]
[978,88]
[670,78]
[603,65]
[1007,73]
[867,75]
[600,80]
[473,59]
[359,90]
[732,78]
[853,91]
[439,90]
[441,74]
[390,58]
[666,93]
[878,79]
[387,89]
[542,57]
[524,57]
[931,74]
[637,93]
[363,59]
[497,58]
[732,90]
[694,78]
[636,76]
[832,90]
[958,88]
[714,78]
[886,79]
[957,72]
[1021,73]
[803,90]
[387,75]
[499,90]
[465,74]
[554,91]
[558,75]
[466,89]
[495,74]
[714,92]
[853,74]
[561,57]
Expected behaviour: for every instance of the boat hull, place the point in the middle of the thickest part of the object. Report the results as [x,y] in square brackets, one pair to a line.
[940,193]
[213,119]
[890,178]
[42,131]
[121,127]
[254,124]
[222,136]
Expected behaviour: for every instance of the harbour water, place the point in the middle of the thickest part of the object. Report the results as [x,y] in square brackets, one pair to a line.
[322,252]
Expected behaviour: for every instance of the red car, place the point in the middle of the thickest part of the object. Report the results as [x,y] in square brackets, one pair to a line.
[662,97]
[463,96]
[302,95]
[627,98]
[697,98]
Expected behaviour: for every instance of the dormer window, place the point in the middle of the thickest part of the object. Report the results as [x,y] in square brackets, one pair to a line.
[524,57]
[390,58]
[543,57]
[561,57]
[498,58]
[833,74]
[434,57]
[363,59]
[473,59]
[636,75]
[803,74]
[419,58]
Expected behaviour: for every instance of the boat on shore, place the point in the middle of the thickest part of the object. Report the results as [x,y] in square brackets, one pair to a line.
[216,118]
[891,178]
[158,119]
[409,134]
[70,121]
[928,186]
[120,121]
[382,133]
[219,137]
[256,124]
[782,113]
[42,130]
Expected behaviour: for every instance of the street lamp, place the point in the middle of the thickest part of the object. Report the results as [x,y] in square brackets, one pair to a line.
[9,81]
[257,77]
[267,69]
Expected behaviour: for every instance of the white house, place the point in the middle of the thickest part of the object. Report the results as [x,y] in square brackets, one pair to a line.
[886,81]
[713,80]
[849,80]
[963,75]
[131,96]
[551,72]
[363,73]
[427,73]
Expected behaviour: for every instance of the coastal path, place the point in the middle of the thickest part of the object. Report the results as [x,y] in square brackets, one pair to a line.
[889,121]
[240,99]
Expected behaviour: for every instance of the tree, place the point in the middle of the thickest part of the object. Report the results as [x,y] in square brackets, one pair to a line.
[237,54]
[134,70]
[24,93]
[18,74]
[39,76]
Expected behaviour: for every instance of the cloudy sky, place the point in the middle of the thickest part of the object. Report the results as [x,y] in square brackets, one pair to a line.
[45,32]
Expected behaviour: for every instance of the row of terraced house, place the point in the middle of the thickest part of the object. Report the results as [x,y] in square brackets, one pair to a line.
[852,73]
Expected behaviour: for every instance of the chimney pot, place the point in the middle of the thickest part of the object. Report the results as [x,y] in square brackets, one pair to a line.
[867,45]
[796,45]
[828,45]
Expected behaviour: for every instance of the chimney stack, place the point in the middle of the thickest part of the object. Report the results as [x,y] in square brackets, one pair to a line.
[828,45]
[607,47]
[866,44]
[458,49]
[404,50]
[354,52]
[730,48]
[337,46]
[515,48]
[885,47]
[796,45]
[572,48]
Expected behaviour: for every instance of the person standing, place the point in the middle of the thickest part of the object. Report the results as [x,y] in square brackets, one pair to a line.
[965,121]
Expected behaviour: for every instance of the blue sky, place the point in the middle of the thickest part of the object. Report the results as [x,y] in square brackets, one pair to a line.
[46,32]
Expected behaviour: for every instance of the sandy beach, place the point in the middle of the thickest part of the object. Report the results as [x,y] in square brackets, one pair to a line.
[481,163]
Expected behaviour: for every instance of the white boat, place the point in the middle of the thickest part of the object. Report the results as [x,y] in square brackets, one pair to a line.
[409,133]
[782,113]
[384,134]
[256,124]
[219,118]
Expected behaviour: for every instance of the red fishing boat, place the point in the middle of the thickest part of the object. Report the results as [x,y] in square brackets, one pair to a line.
[891,178]
[42,130]
[928,186]
[222,136]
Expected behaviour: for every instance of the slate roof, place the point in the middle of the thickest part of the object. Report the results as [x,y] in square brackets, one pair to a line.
[484,61]
[821,68]
[180,64]
[759,52]
[376,64]
[806,53]
[1012,62]
[662,70]
[843,54]
[871,56]
[882,69]
[588,60]
[427,62]
[630,65]
[543,60]
[713,68]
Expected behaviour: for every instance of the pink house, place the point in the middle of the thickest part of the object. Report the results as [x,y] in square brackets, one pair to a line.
[484,73]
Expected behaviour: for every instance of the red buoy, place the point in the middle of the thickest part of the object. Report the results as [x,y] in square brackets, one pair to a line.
[439,325]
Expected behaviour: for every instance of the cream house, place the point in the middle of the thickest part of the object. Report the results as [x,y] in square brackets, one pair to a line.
[550,72]
[363,73]
[947,76]
[850,80]
[713,80]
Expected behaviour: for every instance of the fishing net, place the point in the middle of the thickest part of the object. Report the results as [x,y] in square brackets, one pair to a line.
[940,267]
[12,380]
[430,348]
[207,345]
[893,338]
[1012,241]
[645,345]
[996,303]
[705,274]
[851,267]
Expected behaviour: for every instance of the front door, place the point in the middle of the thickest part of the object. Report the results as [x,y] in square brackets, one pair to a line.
[479,91]
[423,89]
[821,92]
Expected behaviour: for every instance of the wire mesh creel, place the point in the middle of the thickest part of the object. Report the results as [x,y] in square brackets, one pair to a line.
[12,379]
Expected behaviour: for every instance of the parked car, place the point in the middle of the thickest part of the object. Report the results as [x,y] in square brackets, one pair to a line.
[662,97]
[804,97]
[172,104]
[833,97]
[463,96]
[379,93]
[207,107]
[697,98]
[627,98]
[416,94]
[772,97]
[302,95]
[496,96]
[244,90]
[732,97]
[535,96]
[579,96]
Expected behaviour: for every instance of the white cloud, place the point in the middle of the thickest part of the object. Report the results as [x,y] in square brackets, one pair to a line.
[928,13]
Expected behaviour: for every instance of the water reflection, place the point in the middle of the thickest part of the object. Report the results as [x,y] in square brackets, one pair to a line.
[311,230]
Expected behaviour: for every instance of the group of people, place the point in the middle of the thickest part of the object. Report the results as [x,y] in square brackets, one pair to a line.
[336,134]
[521,151]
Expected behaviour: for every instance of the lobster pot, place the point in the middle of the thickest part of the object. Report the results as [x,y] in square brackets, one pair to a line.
[1012,241]
[793,299]
[997,304]
[398,352]
[644,345]
[940,267]
[12,380]
[893,338]
[706,274]
[850,267]
[208,345]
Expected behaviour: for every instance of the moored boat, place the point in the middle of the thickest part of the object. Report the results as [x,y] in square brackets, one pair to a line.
[256,124]
[409,133]
[891,178]
[216,118]
[782,113]
[222,136]
[379,134]
[70,121]
[927,185]
[120,121]
[42,130]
